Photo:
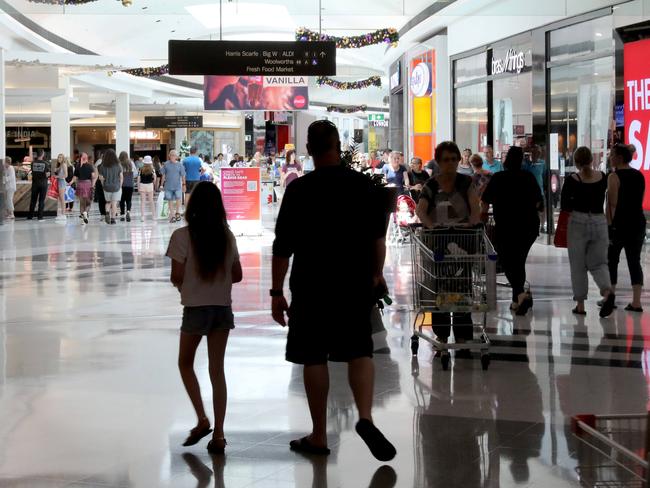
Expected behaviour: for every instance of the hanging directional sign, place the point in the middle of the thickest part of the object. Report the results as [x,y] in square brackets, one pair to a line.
[172,121]
[252,58]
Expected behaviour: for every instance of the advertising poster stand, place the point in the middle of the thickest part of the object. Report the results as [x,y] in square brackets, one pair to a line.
[242,198]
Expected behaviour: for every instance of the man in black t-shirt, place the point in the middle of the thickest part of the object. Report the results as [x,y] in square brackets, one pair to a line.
[40,174]
[338,247]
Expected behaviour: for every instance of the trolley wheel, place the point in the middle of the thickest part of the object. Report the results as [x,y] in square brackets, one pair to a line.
[415,345]
[485,361]
[444,359]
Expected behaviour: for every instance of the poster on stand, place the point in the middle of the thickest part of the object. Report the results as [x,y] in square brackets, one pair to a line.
[637,107]
[240,189]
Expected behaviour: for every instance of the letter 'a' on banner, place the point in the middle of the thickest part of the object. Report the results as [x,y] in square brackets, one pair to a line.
[637,107]
[242,199]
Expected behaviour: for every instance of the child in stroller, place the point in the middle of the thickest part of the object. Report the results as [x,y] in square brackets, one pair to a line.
[400,221]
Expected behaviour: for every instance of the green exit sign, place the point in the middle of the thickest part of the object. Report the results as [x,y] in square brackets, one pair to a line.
[375,117]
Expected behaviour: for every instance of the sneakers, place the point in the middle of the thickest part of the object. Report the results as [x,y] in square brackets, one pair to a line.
[84,216]
[128,216]
[107,218]
[113,222]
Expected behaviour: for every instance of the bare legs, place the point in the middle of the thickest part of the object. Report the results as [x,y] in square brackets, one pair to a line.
[146,197]
[217,342]
[361,375]
[112,209]
[186,354]
[317,384]
[62,202]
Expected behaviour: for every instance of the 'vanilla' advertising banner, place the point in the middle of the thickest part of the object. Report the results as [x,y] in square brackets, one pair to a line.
[256,93]
[637,107]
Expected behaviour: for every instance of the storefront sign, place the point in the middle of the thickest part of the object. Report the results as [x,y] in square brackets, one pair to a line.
[140,135]
[421,80]
[240,188]
[378,123]
[637,107]
[245,58]
[512,62]
[146,146]
[376,117]
[173,121]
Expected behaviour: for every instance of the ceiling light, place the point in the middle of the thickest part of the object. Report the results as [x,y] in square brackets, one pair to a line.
[241,15]
[598,34]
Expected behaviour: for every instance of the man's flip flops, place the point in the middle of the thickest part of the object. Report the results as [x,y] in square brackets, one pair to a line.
[304,446]
[379,446]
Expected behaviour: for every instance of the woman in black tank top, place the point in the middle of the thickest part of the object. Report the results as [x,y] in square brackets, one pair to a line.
[625,190]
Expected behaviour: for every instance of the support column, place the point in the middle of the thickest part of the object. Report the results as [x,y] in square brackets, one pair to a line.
[180,136]
[122,123]
[60,120]
[3,130]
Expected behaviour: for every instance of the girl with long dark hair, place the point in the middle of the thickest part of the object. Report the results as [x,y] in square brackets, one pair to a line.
[205,264]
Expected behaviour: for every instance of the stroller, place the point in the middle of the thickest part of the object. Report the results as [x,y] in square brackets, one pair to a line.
[398,232]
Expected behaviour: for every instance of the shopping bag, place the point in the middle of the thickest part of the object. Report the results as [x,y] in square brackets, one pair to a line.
[162,206]
[560,239]
[53,190]
[69,194]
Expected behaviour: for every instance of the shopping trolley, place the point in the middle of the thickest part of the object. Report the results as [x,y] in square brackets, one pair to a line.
[612,450]
[454,271]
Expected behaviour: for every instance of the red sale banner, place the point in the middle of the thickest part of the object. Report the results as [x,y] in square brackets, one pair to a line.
[240,188]
[637,107]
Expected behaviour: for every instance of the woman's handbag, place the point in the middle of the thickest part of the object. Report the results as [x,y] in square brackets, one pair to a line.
[561,229]
[53,190]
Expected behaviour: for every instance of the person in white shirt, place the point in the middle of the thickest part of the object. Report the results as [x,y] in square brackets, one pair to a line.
[10,187]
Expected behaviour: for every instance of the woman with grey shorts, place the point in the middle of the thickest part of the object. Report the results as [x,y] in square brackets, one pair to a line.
[205,264]
[583,195]
[110,174]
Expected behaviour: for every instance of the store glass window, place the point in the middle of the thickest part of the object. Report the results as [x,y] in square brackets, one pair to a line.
[472,117]
[512,110]
[582,101]
[581,39]
[470,68]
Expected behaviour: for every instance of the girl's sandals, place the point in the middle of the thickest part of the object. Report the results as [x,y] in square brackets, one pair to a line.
[196,434]
[214,448]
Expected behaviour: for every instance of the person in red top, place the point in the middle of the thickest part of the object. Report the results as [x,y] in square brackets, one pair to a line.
[374,159]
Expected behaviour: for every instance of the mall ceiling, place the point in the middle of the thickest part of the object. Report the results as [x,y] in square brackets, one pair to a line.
[138,35]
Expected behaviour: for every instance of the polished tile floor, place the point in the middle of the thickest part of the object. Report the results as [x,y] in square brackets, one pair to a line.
[90,394]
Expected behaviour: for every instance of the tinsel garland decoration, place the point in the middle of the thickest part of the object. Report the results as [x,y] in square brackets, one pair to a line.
[126,3]
[349,85]
[346,109]
[387,36]
[145,72]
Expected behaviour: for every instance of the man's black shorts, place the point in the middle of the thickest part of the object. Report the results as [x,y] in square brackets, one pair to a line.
[189,186]
[317,336]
